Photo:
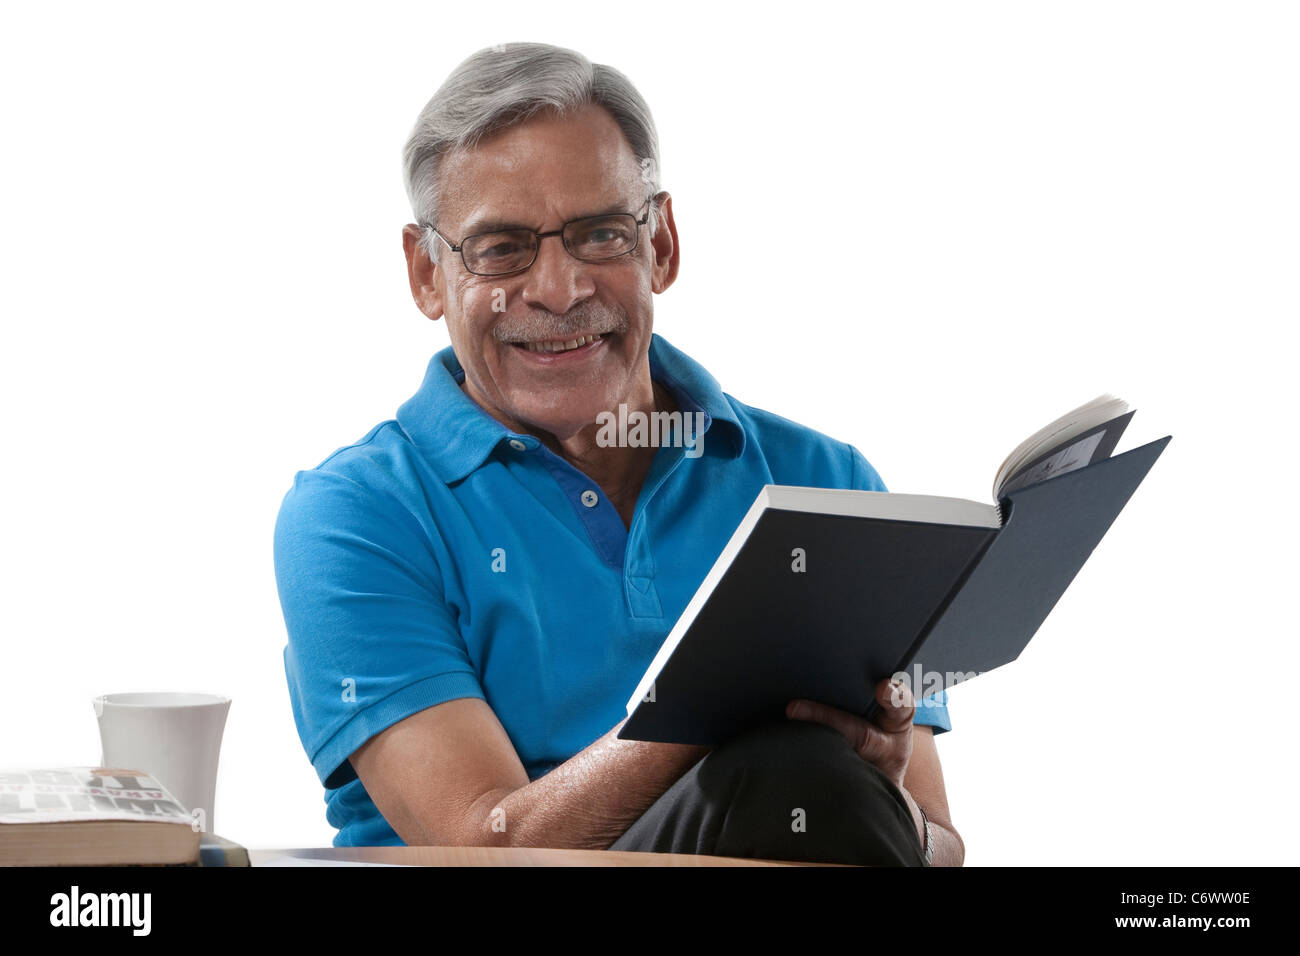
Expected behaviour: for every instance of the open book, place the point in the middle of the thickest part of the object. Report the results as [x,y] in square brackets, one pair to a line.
[820,593]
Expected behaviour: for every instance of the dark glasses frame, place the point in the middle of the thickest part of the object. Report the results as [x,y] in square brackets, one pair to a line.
[537,238]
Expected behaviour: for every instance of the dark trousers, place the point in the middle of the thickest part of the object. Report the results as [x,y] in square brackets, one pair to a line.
[789,790]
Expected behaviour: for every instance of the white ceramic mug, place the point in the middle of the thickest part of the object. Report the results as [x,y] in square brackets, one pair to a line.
[175,738]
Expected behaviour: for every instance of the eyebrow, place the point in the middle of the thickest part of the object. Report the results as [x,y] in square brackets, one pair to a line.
[486,224]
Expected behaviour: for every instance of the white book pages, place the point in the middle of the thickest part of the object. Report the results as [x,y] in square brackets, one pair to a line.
[1100,410]
[930,509]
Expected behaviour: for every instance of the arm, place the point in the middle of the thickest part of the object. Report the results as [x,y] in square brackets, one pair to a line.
[449,776]
[923,785]
[364,603]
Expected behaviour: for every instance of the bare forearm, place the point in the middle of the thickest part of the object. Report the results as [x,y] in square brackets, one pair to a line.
[586,802]
[948,847]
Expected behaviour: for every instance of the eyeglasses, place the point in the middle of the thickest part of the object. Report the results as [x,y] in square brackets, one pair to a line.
[591,239]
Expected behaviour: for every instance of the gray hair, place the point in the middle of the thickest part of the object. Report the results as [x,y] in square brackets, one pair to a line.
[507,84]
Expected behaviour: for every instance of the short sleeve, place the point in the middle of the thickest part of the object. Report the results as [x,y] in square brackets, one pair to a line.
[931,711]
[865,477]
[371,639]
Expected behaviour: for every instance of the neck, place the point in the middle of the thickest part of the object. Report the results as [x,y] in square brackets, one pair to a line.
[618,471]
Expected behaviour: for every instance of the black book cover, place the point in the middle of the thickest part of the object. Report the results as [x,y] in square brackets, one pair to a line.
[823,606]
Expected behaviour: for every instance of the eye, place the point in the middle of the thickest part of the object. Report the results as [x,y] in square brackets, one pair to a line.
[501,249]
[602,238]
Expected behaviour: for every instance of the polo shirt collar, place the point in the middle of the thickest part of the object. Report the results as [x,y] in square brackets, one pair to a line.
[457,436]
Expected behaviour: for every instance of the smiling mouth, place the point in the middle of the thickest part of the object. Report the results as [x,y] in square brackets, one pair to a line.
[560,345]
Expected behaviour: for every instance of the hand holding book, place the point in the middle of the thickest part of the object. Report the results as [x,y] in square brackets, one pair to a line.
[885,741]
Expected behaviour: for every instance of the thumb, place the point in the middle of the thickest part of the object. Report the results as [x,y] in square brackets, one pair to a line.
[897,705]
[887,739]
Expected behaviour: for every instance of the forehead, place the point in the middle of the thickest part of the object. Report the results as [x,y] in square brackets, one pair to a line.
[549,168]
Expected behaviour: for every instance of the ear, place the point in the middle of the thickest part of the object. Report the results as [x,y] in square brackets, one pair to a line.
[423,272]
[667,252]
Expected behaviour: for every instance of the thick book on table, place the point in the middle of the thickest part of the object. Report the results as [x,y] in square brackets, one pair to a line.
[92,816]
[821,593]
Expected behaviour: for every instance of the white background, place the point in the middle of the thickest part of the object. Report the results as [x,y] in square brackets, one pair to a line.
[204,292]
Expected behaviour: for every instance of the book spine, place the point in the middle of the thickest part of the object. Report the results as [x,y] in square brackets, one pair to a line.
[940,609]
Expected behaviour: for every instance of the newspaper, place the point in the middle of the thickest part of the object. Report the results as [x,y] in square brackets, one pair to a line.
[78,794]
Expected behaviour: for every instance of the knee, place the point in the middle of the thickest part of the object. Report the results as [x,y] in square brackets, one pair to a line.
[781,747]
[797,762]
[798,790]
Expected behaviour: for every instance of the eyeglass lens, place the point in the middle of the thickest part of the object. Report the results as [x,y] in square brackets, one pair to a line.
[594,239]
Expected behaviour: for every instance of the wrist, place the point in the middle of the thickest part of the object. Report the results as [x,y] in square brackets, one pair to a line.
[924,828]
[918,821]
[927,845]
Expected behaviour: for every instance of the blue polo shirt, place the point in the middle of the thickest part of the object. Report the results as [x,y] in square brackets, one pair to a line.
[443,556]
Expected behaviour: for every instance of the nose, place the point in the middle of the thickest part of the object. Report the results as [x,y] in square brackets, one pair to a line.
[557,281]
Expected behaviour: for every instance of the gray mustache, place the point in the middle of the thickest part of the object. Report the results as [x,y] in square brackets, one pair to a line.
[545,326]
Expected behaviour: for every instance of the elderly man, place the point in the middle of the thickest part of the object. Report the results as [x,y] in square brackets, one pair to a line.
[473,590]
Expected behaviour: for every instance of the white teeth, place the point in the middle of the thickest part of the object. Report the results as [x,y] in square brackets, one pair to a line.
[560,346]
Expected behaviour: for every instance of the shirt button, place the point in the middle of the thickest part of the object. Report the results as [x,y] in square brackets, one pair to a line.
[589,498]
[517,445]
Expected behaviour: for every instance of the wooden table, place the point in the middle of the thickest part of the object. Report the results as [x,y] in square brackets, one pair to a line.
[489,856]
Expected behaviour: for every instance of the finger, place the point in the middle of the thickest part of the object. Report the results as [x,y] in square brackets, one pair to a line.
[887,742]
[889,751]
[853,727]
[897,706]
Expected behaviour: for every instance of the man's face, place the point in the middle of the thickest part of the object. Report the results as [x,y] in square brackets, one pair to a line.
[540,174]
